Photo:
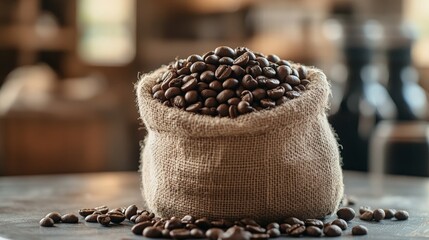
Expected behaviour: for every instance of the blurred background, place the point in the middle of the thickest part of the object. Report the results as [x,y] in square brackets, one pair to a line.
[68,68]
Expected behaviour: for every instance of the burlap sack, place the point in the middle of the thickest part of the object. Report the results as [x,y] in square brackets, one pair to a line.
[266,165]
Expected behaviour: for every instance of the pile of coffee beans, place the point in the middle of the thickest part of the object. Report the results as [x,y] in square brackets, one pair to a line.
[229,82]
[151,226]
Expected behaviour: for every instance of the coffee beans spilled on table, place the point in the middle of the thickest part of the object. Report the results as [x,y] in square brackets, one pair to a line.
[189,227]
[229,82]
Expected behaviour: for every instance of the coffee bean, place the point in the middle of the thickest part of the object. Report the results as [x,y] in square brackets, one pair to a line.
[293,220]
[259,93]
[194,58]
[207,76]
[91,218]
[401,215]
[367,216]
[234,101]
[226,61]
[273,58]
[197,233]
[216,85]
[389,213]
[254,70]
[363,209]
[69,218]
[305,82]
[207,54]
[198,67]
[249,221]
[284,227]
[131,210]
[269,72]
[263,62]
[235,233]
[267,103]
[313,222]
[172,92]
[292,80]
[240,50]
[283,72]
[295,72]
[224,51]
[273,225]
[340,223]
[346,213]
[237,71]
[206,93]
[214,233]
[359,230]
[54,216]
[230,83]
[302,72]
[244,107]
[208,111]
[292,94]
[212,59]
[249,82]
[179,101]
[313,231]
[282,100]
[379,214]
[152,232]
[233,111]
[139,227]
[260,236]
[283,62]
[189,85]
[46,222]
[296,230]
[276,93]
[194,107]
[160,94]
[332,231]
[173,224]
[191,96]
[203,223]
[116,217]
[223,72]
[255,229]
[273,232]
[286,86]
[217,224]
[187,219]
[141,218]
[242,60]
[210,102]
[223,110]
[180,233]
[176,82]
[184,71]
[225,95]
[103,219]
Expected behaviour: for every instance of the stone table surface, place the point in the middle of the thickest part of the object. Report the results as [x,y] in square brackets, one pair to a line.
[25,200]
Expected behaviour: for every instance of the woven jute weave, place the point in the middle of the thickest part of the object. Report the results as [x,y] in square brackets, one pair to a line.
[266,165]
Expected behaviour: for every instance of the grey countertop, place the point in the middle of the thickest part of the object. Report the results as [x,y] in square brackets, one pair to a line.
[25,200]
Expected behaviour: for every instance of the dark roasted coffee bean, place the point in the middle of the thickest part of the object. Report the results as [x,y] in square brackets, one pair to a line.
[259,94]
[286,86]
[389,213]
[282,72]
[207,54]
[165,233]
[224,51]
[191,84]
[249,82]
[208,111]
[165,103]
[188,219]
[223,72]
[141,218]
[269,72]
[173,224]
[259,236]
[207,76]
[276,93]
[240,50]
[69,218]
[226,61]
[267,103]
[273,232]
[191,96]
[293,220]
[292,80]
[296,230]
[363,209]
[313,231]
[238,71]
[172,92]
[214,233]
[302,72]
[305,82]
[212,59]
[367,215]
[197,233]
[282,100]
[217,224]
[244,107]
[273,58]
[346,213]
[160,95]
[210,102]
[254,70]
[103,219]
[313,222]
[401,215]
[211,68]
[159,223]
[249,221]
[179,101]
[234,101]
[284,227]
[340,223]
[198,67]
[91,218]
[359,230]
[295,72]
[273,225]
[272,83]
[332,231]
[230,83]
[235,233]
[283,62]
[190,226]
[379,214]
[223,110]
[225,95]
[194,58]
[139,227]
[301,87]
[184,71]
[233,111]
[155,88]
[263,62]
[116,217]
[242,60]
[216,85]
[132,209]
[54,216]
[255,229]
[46,222]
[292,94]
[152,232]
[180,233]
[206,93]
[203,223]
[168,75]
